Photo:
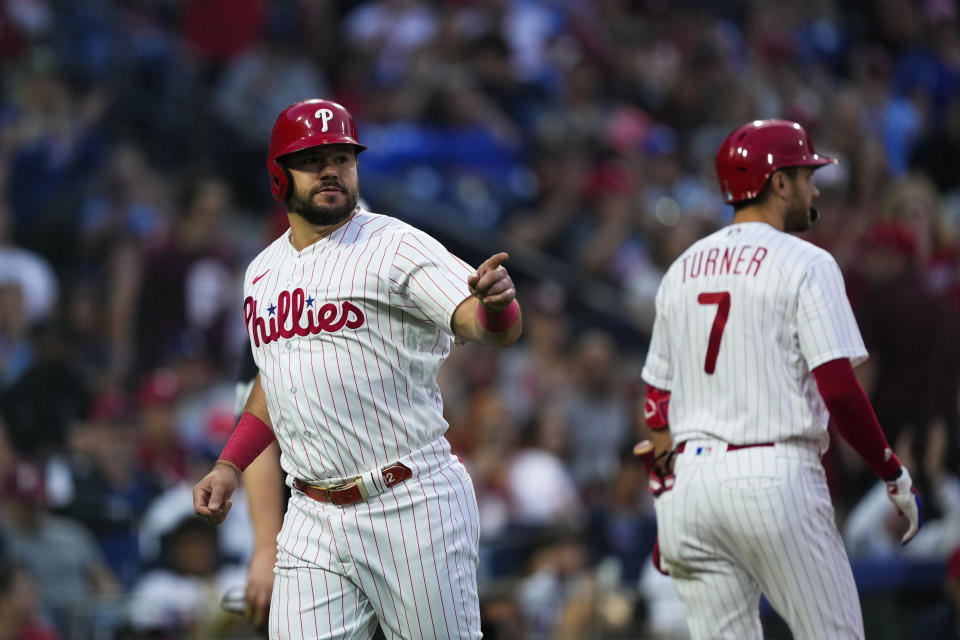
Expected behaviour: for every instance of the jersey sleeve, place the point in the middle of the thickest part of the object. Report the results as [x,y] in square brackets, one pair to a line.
[658,366]
[431,279]
[825,322]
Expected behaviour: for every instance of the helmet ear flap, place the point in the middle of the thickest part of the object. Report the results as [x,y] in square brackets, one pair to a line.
[280,179]
[289,187]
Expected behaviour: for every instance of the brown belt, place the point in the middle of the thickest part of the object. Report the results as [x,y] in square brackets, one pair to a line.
[354,490]
[732,447]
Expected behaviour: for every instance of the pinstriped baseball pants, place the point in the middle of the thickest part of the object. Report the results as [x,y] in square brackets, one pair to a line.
[406,558]
[751,521]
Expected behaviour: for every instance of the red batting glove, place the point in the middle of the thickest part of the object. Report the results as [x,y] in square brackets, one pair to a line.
[659,479]
[658,482]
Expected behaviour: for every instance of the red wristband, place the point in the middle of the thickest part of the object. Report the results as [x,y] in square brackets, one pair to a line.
[497,321]
[248,441]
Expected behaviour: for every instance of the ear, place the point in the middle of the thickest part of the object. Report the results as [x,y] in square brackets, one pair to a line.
[780,182]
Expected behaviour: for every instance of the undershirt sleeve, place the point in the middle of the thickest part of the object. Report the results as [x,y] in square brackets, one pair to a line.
[853,416]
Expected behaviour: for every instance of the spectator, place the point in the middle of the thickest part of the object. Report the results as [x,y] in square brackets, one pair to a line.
[182,595]
[249,93]
[38,282]
[937,153]
[610,248]
[16,352]
[596,412]
[545,221]
[127,201]
[37,426]
[72,578]
[942,620]
[110,492]
[665,616]
[536,372]
[202,27]
[913,202]
[500,614]
[488,461]
[914,346]
[540,487]
[390,31]
[19,619]
[56,149]
[160,451]
[557,574]
[184,291]
[622,525]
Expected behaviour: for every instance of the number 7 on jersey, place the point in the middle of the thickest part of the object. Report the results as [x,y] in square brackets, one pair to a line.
[722,300]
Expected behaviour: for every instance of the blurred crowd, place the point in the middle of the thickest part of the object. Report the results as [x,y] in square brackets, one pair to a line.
[580,134]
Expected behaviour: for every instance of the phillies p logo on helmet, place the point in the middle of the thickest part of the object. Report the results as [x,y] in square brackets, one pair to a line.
[311,123]
[325,115]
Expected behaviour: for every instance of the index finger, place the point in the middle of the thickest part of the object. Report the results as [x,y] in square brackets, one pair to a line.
[493,262]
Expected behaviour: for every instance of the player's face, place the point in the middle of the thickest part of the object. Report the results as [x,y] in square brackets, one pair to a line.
[799,215]
[325,183]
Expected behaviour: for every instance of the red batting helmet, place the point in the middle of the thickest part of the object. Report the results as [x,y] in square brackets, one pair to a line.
[310,123]
[750,155]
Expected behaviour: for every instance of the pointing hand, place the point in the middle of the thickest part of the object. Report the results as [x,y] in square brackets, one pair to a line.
[492,284]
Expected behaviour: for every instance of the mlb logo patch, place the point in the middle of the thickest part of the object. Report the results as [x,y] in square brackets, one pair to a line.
[703,451]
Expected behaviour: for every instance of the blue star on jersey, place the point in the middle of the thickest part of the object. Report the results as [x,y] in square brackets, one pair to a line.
[272,309]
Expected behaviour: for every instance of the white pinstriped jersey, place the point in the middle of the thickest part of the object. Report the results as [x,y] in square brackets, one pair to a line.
[348,335]
[743,316]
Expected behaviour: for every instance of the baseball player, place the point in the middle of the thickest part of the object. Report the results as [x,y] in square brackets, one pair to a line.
[752,351]
[350,315]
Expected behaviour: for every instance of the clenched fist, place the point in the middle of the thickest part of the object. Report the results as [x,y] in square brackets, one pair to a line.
[211,496]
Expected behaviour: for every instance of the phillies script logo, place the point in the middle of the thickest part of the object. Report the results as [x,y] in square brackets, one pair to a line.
[304,319]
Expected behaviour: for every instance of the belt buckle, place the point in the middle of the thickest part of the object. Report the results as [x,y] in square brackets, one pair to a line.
[350,484]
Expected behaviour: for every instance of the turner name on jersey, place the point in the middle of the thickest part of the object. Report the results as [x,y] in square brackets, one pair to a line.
[736,260]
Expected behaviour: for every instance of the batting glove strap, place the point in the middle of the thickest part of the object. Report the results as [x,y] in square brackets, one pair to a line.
[906,499]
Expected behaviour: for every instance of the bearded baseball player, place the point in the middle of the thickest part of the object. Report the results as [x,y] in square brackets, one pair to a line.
[751,354]
[350,314]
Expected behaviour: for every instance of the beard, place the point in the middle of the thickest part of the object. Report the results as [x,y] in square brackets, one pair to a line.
[800,218]
[324,215]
